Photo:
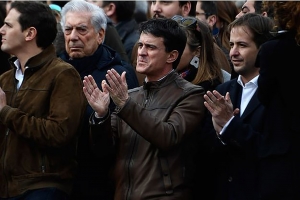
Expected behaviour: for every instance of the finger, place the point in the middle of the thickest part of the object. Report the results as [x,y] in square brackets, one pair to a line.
[207,99]
[227,97]
[86,87]
[112,80]
[86,93]
[115,77]
[236,111]
[123,78]
[209,108]
[104,86]
[211,96]
[93,82]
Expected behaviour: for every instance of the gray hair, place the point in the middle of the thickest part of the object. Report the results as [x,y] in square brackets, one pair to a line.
[98,17]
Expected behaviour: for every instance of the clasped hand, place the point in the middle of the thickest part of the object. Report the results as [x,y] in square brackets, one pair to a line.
[220,107]
[116,89]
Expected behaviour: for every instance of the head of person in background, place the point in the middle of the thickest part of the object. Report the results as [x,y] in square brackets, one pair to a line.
[246,37]
[84,28]
[121,14]
[119,10]
[96,2]
[207,11]
[56,11]
[283,19]
[141,11]
[226,12]
[198,63]
[167,9]
[258,7]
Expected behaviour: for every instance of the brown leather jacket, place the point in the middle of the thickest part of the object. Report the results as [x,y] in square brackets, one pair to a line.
[39,125]
[153,135]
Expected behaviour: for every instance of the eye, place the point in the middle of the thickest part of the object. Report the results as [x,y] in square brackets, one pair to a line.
[245,10]
[140,45]
[82,30]
[68,30]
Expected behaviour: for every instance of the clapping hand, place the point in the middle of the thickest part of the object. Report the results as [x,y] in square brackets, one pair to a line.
[117,87]
[98,100]
[220,107]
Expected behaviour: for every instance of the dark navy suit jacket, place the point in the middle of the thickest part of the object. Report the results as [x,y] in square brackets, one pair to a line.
[236,163]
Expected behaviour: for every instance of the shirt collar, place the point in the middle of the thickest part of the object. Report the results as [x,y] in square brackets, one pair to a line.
[252,81]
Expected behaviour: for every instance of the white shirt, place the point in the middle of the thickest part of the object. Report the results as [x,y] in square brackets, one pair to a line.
[19,74]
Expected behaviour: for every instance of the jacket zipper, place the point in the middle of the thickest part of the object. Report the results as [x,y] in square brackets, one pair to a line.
[147,98]
[43,167]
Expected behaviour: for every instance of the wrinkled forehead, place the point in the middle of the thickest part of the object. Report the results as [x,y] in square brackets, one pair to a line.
[78,18]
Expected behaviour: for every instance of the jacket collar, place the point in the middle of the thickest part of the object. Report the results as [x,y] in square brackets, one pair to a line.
[162,82]
[38,60]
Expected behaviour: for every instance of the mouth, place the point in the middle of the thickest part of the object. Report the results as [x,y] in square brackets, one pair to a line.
[236,61]
[158,16]
[75,48]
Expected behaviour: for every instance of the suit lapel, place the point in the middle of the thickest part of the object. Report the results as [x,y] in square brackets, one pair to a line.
[235,92]
[252,105]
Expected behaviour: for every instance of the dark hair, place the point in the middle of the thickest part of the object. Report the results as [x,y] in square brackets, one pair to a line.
[38,15]
[174,37]
[209,7]
[259,26]
[124,9]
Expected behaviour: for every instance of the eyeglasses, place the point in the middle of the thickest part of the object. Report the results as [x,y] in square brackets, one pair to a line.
[185,21]
[206,14]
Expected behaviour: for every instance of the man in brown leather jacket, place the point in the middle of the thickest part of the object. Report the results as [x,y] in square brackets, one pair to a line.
[153,127]
[41,108]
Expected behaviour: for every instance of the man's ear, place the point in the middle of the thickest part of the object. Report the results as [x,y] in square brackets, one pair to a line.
[265,14]
[110,9]
[101,35]
[186,8]
[173,55]
[30,33]
[211,20]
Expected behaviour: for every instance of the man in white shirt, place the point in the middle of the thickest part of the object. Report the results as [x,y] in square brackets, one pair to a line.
[236,113]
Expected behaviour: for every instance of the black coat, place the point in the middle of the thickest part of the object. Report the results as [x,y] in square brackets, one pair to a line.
[279,151]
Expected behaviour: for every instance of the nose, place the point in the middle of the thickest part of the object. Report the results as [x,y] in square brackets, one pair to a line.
[233,51]
[239,15]
[155,7]
[141,50]
[73,35]
[2,30]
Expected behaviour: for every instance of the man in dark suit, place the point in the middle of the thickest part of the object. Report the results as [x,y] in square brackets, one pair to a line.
[237,115]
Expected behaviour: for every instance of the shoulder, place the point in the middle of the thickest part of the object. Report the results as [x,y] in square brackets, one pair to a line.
[188,87]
